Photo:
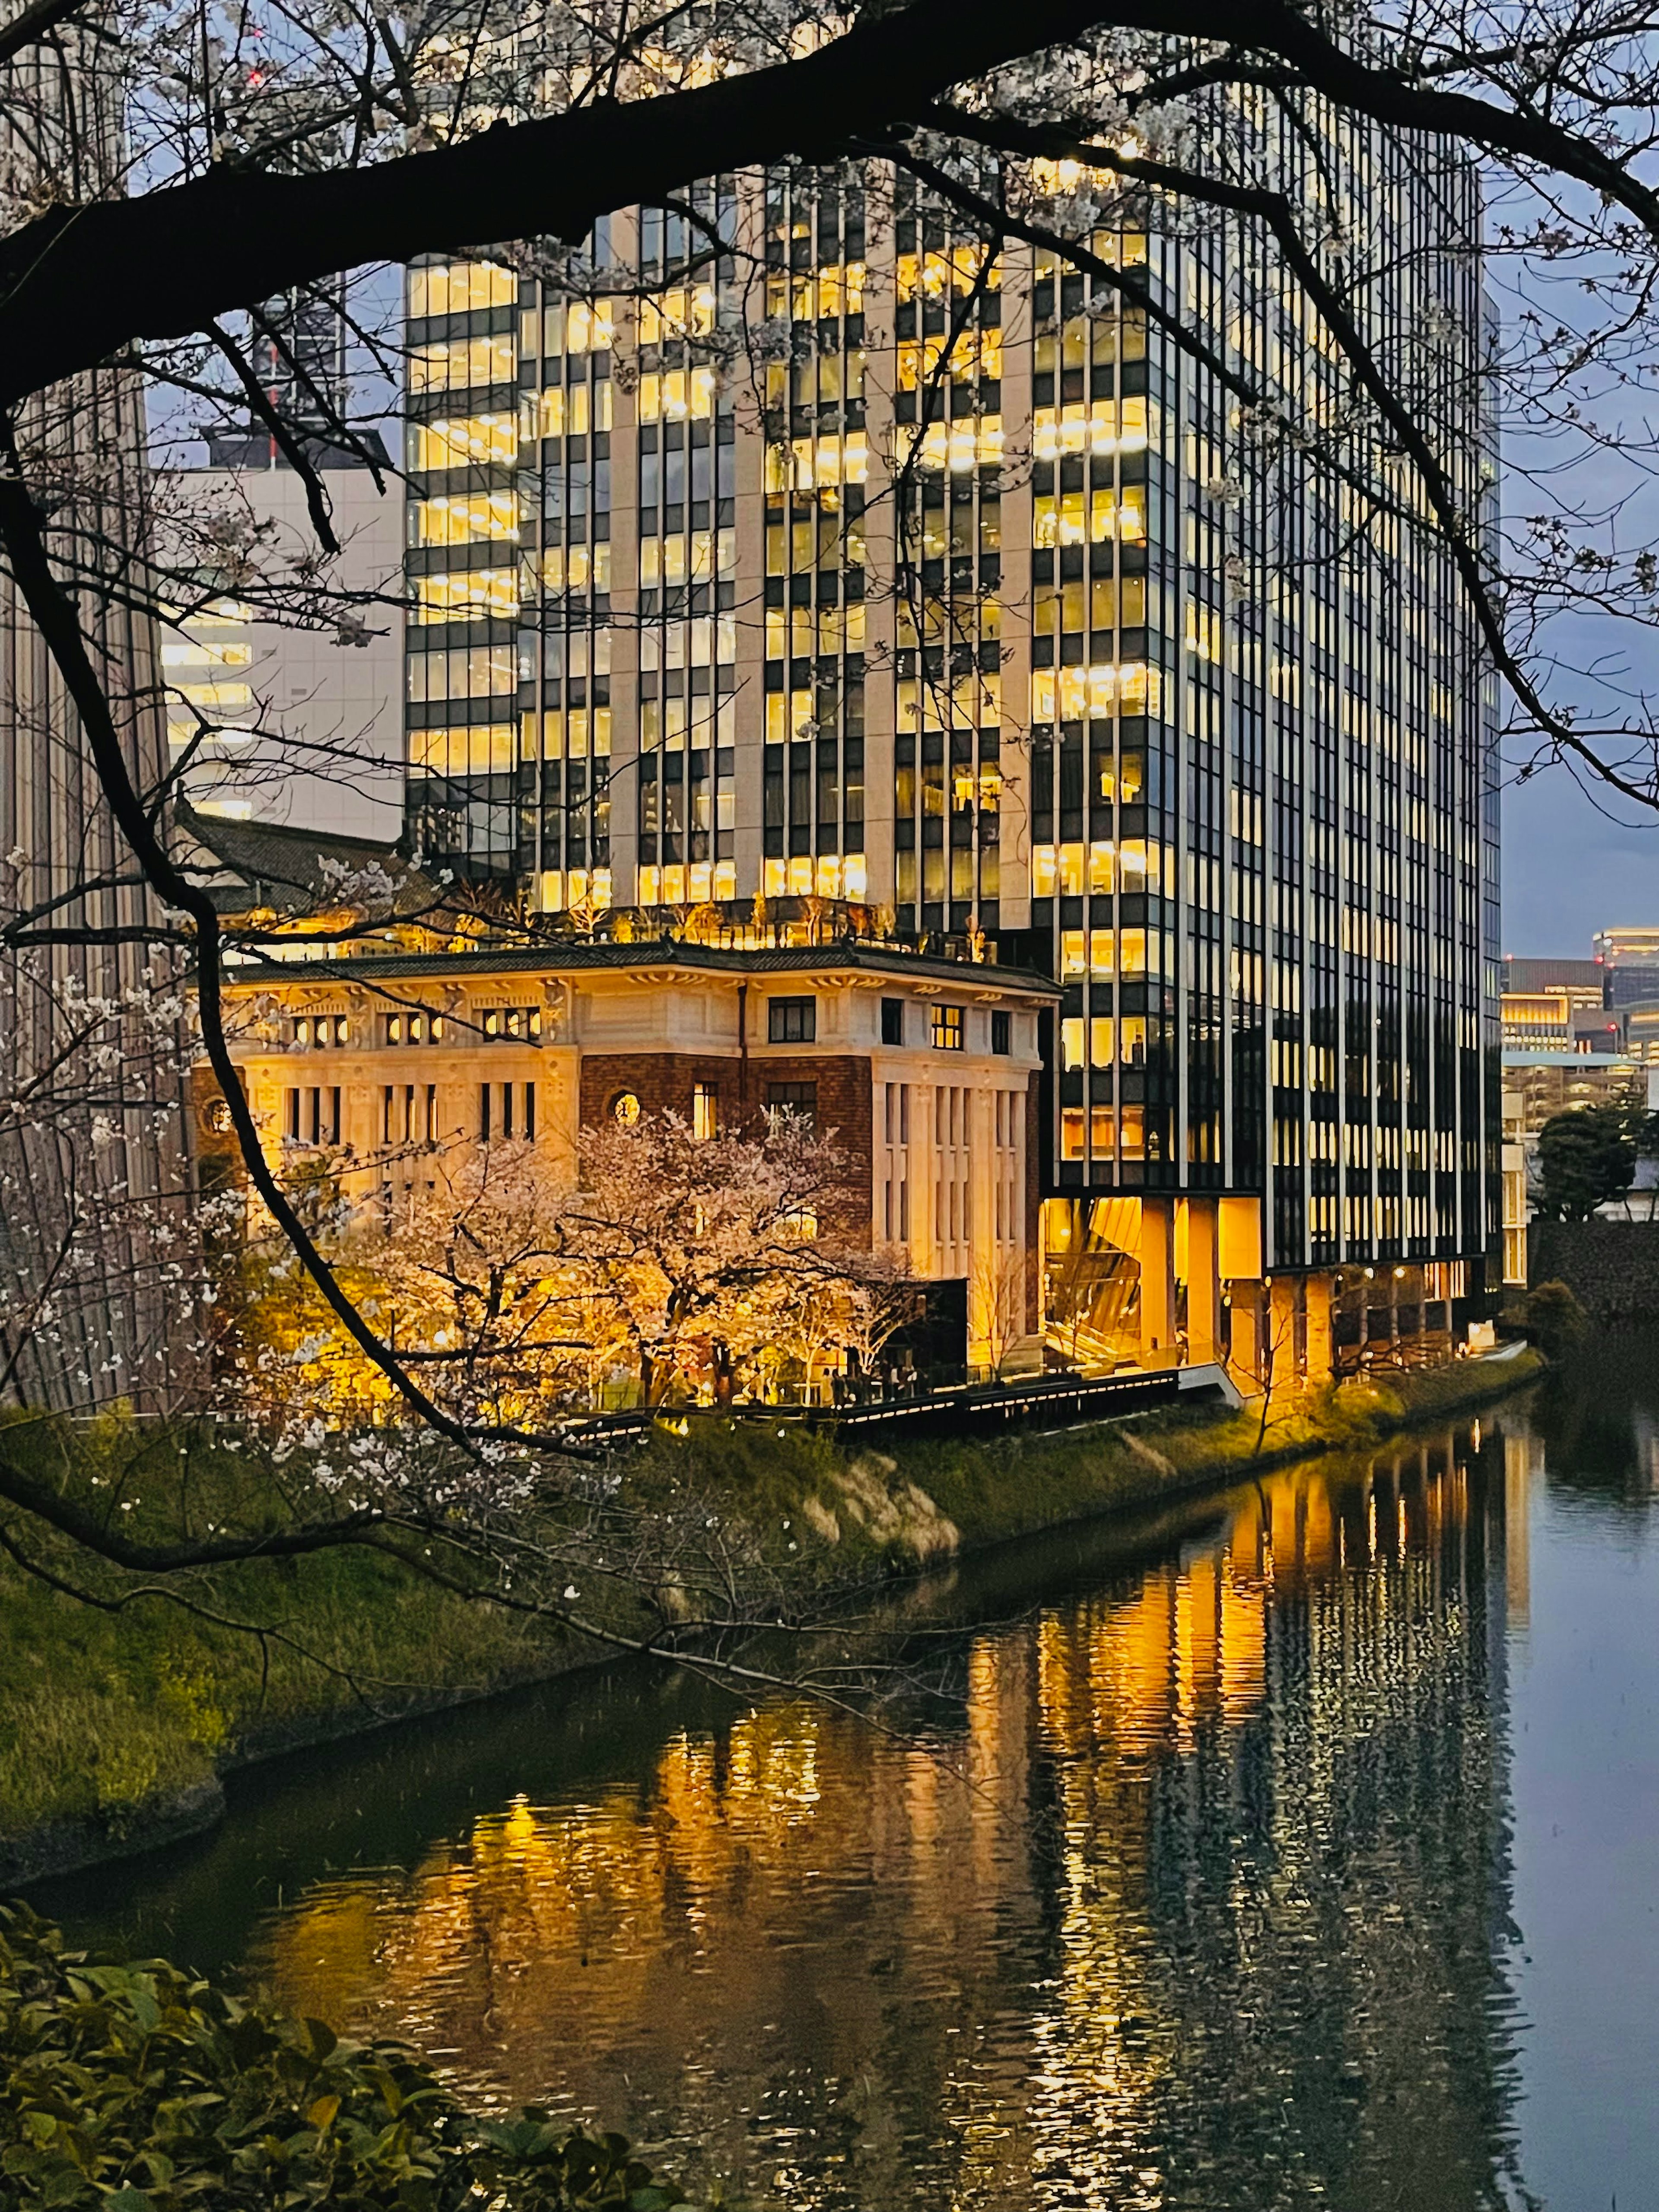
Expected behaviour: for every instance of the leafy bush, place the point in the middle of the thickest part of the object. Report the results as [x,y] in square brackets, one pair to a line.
[131,2086]
[1555,1320]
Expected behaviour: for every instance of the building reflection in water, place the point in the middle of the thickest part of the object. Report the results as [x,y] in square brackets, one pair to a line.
[1204,1905]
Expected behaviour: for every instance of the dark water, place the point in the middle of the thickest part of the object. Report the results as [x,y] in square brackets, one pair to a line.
[1301,1849]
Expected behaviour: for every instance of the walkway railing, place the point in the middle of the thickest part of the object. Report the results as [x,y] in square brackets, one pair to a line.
[1055,1401]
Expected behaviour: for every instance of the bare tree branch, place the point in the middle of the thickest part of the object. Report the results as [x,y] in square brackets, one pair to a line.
[35,23]
[79,285]
[291,447]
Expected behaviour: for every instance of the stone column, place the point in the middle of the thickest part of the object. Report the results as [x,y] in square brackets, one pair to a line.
[1238,1262]
[989,1333]
[1321,1363]
[1203,1285]
[1157,1283]
[1244,1359]
[1280,1349]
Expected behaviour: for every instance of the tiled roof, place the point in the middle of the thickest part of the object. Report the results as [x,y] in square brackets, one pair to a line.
[290,869]
[557,957]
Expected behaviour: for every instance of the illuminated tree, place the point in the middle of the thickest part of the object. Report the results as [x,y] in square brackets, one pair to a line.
[518,1298]
[174,170]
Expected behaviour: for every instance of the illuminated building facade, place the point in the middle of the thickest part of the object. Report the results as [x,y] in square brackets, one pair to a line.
[396,1062]
[850,565]
[1630,959]
[1556,1005]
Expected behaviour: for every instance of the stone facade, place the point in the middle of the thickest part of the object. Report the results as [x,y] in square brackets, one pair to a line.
[741,1093]
[925,1070]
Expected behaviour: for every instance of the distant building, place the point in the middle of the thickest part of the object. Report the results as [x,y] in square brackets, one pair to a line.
[1537,1085]
[1577,1034]
[1605,1007]
[290,725]
[1546,1021]
[1578,976]
[1629,959]
[1635,949]
[1517,1208]
[1554,1006]
[357,895]
[290,721]
[1546,1084]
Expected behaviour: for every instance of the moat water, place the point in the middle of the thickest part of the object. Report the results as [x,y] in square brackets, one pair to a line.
[1298,1848]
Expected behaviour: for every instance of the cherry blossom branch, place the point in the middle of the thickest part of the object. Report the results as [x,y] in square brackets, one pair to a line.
[80,284]
[55,618]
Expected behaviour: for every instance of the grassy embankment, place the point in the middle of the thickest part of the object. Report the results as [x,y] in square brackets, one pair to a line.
[112,1720]
[995,1492]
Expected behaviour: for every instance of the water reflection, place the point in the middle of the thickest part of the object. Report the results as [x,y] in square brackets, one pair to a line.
[1202,1906]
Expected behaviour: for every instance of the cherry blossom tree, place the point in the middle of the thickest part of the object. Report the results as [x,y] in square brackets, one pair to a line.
[172,169]
[516,1296]
[669,1265]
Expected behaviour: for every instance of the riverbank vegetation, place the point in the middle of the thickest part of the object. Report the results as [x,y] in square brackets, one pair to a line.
[131,2086]
[123,1695]
[1010,1488]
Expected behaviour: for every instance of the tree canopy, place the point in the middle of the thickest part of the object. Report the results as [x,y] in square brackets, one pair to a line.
[1585,1158]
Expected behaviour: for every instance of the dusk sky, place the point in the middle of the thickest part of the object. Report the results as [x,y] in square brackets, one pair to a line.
[1569,871]
[1570,868]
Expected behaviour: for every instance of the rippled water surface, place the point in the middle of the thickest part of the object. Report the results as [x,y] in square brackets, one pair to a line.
[1299,1848]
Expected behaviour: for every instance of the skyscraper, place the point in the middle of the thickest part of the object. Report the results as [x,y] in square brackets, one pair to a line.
[806,550]
[93,1304]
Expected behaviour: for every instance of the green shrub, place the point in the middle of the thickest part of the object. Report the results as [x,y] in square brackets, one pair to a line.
[131,2086]
[1555,1320]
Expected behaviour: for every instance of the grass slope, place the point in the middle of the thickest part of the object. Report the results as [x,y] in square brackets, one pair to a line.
[110,1718]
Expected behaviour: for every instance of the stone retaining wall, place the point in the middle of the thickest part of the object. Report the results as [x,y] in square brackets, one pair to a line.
[1611,1268]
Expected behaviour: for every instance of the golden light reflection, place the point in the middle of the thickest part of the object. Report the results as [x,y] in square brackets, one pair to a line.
[805,1933]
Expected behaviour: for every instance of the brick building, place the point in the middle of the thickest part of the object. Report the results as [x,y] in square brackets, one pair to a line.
[925,1069]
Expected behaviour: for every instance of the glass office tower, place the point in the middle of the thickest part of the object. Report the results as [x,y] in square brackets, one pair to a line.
[851,563]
